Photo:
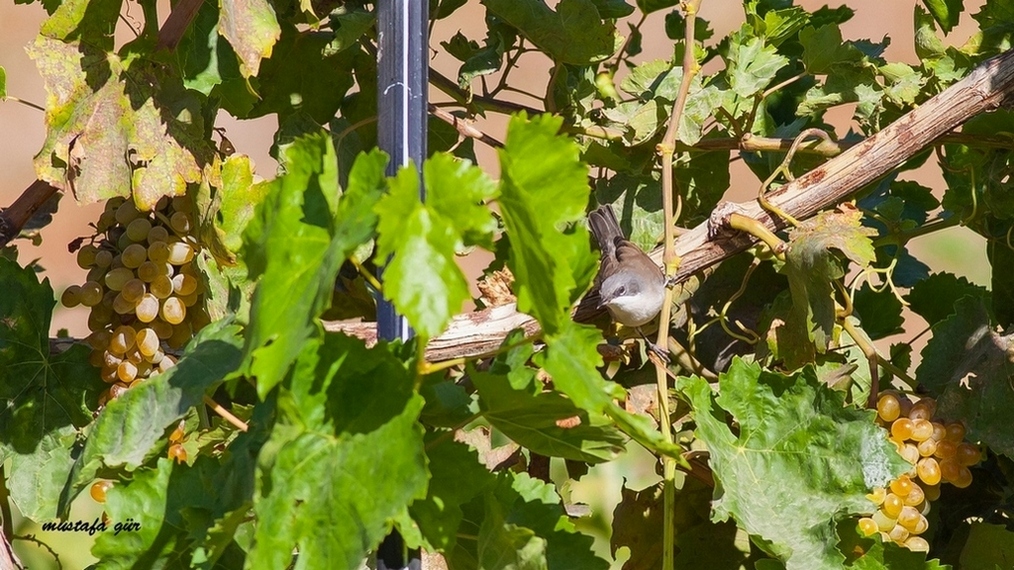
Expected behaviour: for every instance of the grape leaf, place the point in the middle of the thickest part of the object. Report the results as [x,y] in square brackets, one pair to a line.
[252,29]
[823,48]
[752,65]
[100,143]
[543,187]
[988,546]
[574,33]
[347,421]
[295,243]
[46,398]
[872,554]
[129,426]
[3,83]
[1001,284]
[966,365]
[879,311]
[520,523]
[637,202]
[799,460]
[649,6]
[456,478]
[945,12]
[811,266]
[545,422]
[420,239]
[934,298]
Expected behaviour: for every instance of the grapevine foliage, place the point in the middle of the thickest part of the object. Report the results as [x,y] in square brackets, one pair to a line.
[281,438]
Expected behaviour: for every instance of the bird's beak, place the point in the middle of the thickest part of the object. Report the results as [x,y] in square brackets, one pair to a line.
[603,300]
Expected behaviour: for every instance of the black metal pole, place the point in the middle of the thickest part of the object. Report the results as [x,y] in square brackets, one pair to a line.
[402,83]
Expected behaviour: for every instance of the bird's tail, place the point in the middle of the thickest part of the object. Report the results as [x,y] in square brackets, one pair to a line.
[605,228]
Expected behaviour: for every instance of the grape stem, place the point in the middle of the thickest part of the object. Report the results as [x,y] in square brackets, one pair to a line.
[226,414]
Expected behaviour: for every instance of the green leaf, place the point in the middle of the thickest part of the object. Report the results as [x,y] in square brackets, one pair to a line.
[613,9]
[637,202]
[209,64]
[348,26]
[110,133]
[873,554]
[131,425]
[544,422]
[543,187]
[934,298]
[347,421]
[823,48]
[422,277]
[252,29]
[811,266]
[295,243]
[751,66]
[1002,286]
[457,477]
[879,311]
[966,365]
[649,6]
[89,21]
[945,12]
[315,87]
[574,33]
[3,83]
[45,398]
[520,524]
[989,546]
[798,444]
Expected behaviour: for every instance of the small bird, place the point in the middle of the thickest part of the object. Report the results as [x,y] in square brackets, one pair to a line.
[631,286]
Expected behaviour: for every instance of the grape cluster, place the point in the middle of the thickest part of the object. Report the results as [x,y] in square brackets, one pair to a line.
[143,288]
[937,452]
[176,439]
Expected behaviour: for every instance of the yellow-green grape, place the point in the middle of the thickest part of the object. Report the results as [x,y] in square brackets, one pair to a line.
[134,255]
[189,300]
[877,496]
[126,371]
[98,340]
[921,525]
[71,296]
[138,229]
[117,278]
[95,358]
[96,274]
[867,526]
[123,240]
[909,518]
[173,311]
[103,258]
[146,308]
[910,453]
[892,505]
[117,390]
[888,407]
[134,355]
[939,432]
[91,294]
[110,360]
[156,358]
[184,284]
[967,454]
[133,290]
[181,335]
[916,544]
[946,449]
[923,409]
[99,489]
[902,486]
[915,497]
[148,271]
[180,252]
[163,329]
[122,340]
[96,321]
[901,429]
[157,233]
[106,221]
[199,319]
[147,342]
[122,306]
[108,375]
[162,287]
[107,301]
[884,522]
[180,223]
[898,534]
[158,252]
[963,479]
[126,213]
[949,469]
[86,256]
[932,493]
[927,447]
[922,429]
[166,363]
[955,432]
[929,471]
[182,204]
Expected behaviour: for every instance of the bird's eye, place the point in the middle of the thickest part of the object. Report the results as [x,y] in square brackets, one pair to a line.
[621,292]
